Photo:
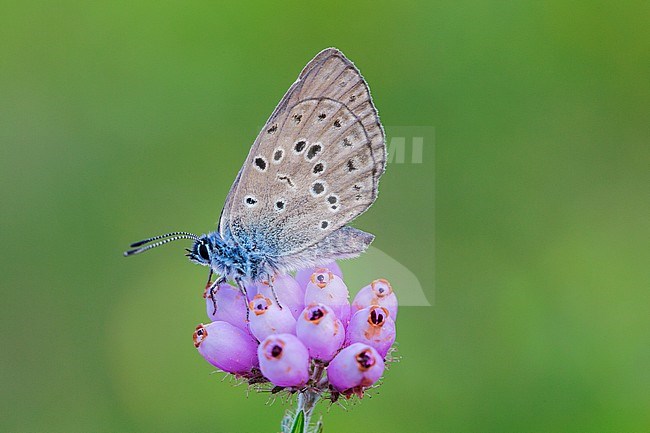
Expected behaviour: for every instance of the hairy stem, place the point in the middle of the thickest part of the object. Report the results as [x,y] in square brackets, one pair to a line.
[306,402]
[304,410]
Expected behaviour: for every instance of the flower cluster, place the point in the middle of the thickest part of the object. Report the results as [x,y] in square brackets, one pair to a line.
[315,339]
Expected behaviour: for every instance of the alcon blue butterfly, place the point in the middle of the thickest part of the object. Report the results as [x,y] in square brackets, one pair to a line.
[313,168]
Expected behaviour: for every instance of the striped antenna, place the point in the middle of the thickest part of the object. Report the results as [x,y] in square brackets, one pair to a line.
[142,249]
[155,238]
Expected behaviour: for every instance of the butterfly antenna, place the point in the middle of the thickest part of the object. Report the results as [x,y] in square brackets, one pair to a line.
[142,249]
[155,238]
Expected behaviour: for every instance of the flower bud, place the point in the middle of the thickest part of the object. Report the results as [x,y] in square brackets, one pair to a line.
[227,347]
[289,292]
[320,331]
[228,305]
[267,318]
[379,292]
[304,275]
[372,326]
[356,366]
[284,360]
[326,288]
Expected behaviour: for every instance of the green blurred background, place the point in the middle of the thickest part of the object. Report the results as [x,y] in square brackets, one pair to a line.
[120,120]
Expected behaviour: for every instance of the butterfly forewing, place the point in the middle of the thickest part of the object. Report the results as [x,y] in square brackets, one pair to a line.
[315,165]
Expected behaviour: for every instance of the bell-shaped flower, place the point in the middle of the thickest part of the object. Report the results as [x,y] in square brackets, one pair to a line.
[356,367]
[226,303]
[267,318]
[227,347]
[374,327]
[290,294]
[379,292]
[326,288]
[320,331]
[284,360]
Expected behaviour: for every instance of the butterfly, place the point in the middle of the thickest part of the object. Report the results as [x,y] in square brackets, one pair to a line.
[313,168]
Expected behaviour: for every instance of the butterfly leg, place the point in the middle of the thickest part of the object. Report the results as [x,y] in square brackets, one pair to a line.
[209,283]
[275,295]
[212,290]
[242,289]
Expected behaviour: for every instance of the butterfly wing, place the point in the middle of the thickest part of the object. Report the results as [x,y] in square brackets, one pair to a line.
[314,167]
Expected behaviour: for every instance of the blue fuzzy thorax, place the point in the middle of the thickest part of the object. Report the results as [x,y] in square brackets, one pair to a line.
[231,259]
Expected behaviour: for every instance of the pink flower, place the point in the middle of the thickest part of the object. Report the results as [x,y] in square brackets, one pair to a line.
[320,331]
[374,327]
[317,349]
[284,360]
[326,288]
[290,294]
[227,347]
[379,292]
[228,305]
[356,367]
[267,318]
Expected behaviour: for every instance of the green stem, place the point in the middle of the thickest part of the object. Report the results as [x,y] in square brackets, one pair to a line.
[306,402]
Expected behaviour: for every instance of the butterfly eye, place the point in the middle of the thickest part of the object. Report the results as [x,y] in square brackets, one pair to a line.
[203,252]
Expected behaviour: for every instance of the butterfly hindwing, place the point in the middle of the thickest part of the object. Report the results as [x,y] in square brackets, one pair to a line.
[315,165]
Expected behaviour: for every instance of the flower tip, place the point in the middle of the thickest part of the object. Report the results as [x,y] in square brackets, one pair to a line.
[200,333]
[321,277]
[259,304]
[303,276]
[381,287]
[314,313]
[379,292]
